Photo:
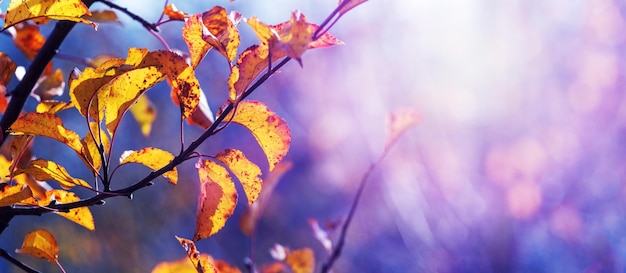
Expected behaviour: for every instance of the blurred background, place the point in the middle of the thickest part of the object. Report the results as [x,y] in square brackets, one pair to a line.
[518,164]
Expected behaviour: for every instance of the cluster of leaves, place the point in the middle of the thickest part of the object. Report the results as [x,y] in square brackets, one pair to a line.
[111,86]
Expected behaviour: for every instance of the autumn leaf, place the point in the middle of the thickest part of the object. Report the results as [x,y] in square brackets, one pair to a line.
[275,267]
[224,267]
[350,4]
[152,158]
[7,68]
[100,59]
[270,131]
[49,86]
[44,170]
[245,170]
[92,146]
[40,244]
[81,216]
[301,260]
[250,218]
[250,64]
[10,195]
[52,106]
[28,39]
[144,113]
[220,31]
[173,13]
[70,10]
[398,122]
[202,263]
[180,74]
[48,125]
[184,265]
[217,199]
[192,35]
[119,94]
[103,16]
[202,115]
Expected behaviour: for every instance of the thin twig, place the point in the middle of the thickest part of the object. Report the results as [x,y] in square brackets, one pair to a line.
[4,254]
[135,17]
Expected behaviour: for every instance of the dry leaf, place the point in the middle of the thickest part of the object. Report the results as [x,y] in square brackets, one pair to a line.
[216,201]
[41,244]
[152,158]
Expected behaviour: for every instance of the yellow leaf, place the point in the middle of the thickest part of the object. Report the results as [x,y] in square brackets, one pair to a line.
[5,168]
[41,244]
[398,122]
[37,188]
[192,34]
[202,115]
[103,16]
[70,10]
[301,260]
[217,199]
[245,170]
[52,106]
[144,113]
[117,95]
[81,216]
[43,170]
[83,89]
[48,125]
[251,63]
[92,146]
[221,31]
[152,158]
[49,86]
[250,218]
[201,262]
[181,77]
[270,131]
[100,59]
[183,265]
[10,195]
[173,13]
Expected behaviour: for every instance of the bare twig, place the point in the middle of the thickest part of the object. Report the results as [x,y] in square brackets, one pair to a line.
[4,254]
[135,17]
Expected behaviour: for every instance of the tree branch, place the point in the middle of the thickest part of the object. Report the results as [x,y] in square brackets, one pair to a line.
[135,17]
[4,254]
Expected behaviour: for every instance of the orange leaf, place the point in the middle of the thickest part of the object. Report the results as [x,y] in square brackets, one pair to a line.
[48,125]
[173,13]
[350,5]
[28,39]
[202,115]
[70,10]
[43,170]
[10,195]
[202,263]
[152,158]
[217,199]
[245,170]
[100,59]
[192,34]
[49,86]
[52,106]
[81,216]
[144,113]
[7,68]
[250,218]
[275,267]
[103,16]
[41,244]
[270,131]
[221,31]
[398,122]
[301,260]
[224,267]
